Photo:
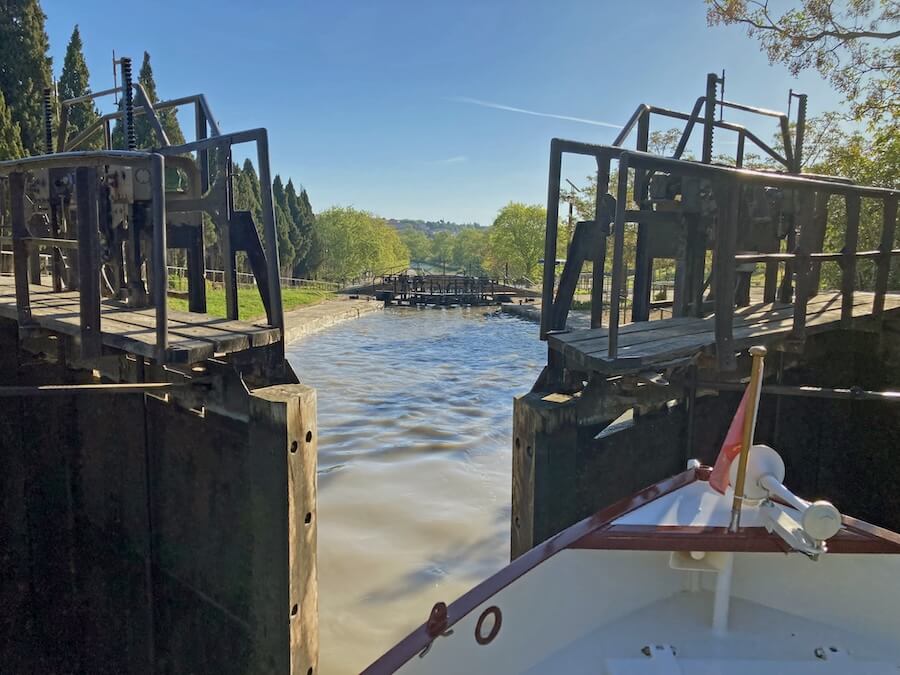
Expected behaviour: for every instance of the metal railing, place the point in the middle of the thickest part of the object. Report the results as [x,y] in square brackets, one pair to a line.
[726,185]
[181,213]
[248,280]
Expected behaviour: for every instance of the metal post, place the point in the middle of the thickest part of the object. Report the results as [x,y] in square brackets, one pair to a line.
[643,266]
[709,117]
[20,248]
[88,262]
[618,255]
[158,262]
[739,156]
[801,128]
[202,155]
[268,212]
[729,191]
[598,257]
[884,260]
[48,120]
[689,127]
[802,265]
[848,273]
[227,241]
[128,105]
[816,240]
[550,237]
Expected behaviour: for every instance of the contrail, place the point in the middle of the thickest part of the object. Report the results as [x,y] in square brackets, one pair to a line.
[450,160]
[500,106]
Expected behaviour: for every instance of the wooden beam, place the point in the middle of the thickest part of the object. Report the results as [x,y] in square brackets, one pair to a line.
[283,435]
[544,495]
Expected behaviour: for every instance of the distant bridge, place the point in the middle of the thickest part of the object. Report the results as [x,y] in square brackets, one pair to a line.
[442,290]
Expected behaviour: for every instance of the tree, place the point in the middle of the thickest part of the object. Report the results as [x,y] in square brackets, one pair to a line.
[10,138]
[442,248]
[168,119]
[418,243]
[848,44]
[283,226]
[246,191]
[73,83]
[868,161]
[25,68]
[302,234]
[665,142]
[517,240]
[469,248]
[357,243]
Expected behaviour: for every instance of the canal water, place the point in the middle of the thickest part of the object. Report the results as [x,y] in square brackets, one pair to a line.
[415,419]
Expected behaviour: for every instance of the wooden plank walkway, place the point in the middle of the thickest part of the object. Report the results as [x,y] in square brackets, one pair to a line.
[192,337]
[645,344]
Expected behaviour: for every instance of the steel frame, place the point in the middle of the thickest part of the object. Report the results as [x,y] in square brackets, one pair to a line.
[727,182]
[203,195]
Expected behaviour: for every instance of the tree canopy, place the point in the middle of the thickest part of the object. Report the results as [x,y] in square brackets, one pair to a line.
[517,240]
[73,83]
[10,139]
[418,243]
[168,119]
[24,68]
[356,243]
[851,44]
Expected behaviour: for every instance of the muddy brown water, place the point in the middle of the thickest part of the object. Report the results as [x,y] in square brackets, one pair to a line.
[415,418]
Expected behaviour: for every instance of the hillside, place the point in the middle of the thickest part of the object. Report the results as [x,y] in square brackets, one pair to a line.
[429,227]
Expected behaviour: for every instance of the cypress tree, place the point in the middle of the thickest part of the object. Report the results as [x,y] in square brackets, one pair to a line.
[278,193]
[283,224]
[74,82]
[246,194]
[146,137]
[24,67]
[10,138]
[250,171]
[299,240]
[293,203]
[285,247]
[168,118]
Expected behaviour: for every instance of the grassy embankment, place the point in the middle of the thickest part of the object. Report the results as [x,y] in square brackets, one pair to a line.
[250,305]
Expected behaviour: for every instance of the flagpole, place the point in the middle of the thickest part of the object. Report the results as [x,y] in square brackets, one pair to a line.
[754,388]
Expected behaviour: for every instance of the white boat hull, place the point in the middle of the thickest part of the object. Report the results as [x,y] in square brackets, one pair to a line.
[636,593]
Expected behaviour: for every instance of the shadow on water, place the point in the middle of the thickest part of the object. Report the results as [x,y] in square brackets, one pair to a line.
[415,419]
[476,558]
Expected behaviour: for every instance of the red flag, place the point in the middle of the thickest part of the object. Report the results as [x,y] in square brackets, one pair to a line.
[731,447]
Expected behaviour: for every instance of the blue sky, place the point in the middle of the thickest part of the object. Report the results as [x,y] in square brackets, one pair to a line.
[398,107]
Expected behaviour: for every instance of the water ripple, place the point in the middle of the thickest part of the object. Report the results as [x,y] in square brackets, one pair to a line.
[415,419]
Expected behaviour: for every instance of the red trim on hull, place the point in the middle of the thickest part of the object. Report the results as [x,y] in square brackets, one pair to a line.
[696,538]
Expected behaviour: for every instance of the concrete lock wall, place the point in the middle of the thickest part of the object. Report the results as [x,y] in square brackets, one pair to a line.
[138,536]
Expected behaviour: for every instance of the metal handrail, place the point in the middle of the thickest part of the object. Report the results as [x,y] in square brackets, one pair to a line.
[155,162]
[727,180]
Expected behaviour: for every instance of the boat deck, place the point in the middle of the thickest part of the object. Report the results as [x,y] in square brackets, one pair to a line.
[192,337]
[645,344]
[677,639]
